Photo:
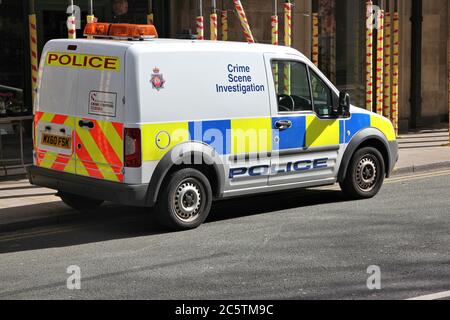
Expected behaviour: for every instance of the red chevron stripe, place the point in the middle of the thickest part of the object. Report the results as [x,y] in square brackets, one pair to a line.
[104,146]
[37,116]
[61,162]
[87,161]
[40,156]
[59,119]
[119,128]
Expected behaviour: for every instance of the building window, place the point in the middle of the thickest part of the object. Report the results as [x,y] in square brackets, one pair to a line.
[12,71]
[342,44]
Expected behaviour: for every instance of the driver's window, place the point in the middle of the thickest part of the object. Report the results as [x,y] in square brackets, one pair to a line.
[322,96]
[292,86]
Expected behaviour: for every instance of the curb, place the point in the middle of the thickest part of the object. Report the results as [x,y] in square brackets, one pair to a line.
[7,173]
[40,222]
[421,168]
[65,217]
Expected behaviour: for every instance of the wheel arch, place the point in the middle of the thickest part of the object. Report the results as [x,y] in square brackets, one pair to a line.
[369,137]
[195,155]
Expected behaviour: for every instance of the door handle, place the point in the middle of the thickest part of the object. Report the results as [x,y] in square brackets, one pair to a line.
[88,124]
[283,124]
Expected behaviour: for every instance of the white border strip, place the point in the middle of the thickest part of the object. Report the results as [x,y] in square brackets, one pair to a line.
[434,296]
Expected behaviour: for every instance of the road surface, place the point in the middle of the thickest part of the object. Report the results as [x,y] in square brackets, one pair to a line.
[311,244]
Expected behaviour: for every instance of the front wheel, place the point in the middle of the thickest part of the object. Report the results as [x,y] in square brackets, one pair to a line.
[365,174]
[184,200]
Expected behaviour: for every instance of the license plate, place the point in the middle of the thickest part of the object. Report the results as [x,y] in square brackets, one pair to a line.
[56,141]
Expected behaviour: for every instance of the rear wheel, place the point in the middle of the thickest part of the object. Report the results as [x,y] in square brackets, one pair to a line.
[365,174]
[184,200]
[79,203]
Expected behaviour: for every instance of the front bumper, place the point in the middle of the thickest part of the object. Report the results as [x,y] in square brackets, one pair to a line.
[393,150]
[126,194]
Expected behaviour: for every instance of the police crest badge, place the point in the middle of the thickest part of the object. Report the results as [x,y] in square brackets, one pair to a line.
[157,80]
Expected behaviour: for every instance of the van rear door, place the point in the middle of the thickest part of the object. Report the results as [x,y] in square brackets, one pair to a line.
[100,110]
[54,120]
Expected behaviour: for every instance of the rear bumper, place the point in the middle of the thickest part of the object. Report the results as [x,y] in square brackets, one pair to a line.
[126,194]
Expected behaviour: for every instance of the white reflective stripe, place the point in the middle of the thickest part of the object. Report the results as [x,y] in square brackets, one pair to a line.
[433,296]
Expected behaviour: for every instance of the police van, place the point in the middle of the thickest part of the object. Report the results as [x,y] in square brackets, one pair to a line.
[177,124]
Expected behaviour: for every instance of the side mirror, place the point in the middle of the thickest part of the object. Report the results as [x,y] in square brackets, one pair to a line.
[344,104]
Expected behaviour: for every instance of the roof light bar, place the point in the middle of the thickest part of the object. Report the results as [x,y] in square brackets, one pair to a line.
[121,30]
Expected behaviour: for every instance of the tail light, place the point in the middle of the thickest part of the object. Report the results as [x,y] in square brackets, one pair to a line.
[133,155]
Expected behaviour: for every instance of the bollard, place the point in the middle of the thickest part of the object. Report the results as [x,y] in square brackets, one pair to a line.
[224,18]
[244,22]
[90,19]
[387,65]
[315,42]
[150,19]
[274,24]
[71,24]
[200,28]
[333,49]
[33,54]
[275,43]
[369,56]
[287,24]
[213,26]
[213,21]
[71,27]
[287,43]
[395,72]
[200,22]
[380,62]
[357,61]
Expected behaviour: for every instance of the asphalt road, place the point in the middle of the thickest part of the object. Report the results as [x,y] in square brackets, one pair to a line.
[301,245]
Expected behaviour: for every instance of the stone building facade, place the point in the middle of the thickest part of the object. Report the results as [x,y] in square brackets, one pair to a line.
[350,47]
[342,42]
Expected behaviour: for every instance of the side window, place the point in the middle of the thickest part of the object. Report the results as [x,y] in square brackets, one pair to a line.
[292,86]
[322,97]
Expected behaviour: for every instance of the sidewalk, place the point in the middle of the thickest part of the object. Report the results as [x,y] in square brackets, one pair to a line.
[26,206]
[423,151]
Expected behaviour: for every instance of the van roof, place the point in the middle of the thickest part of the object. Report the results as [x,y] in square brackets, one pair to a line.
[178,45]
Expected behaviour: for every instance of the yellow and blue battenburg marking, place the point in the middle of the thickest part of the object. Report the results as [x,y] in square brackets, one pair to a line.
[210,132]
[355,124]
[359,121]
[259,135]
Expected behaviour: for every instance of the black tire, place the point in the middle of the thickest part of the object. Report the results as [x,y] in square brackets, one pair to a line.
[365,174]
[79,203]
[184,200]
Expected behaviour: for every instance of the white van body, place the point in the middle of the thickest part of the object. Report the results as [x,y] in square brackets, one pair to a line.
[200,104]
